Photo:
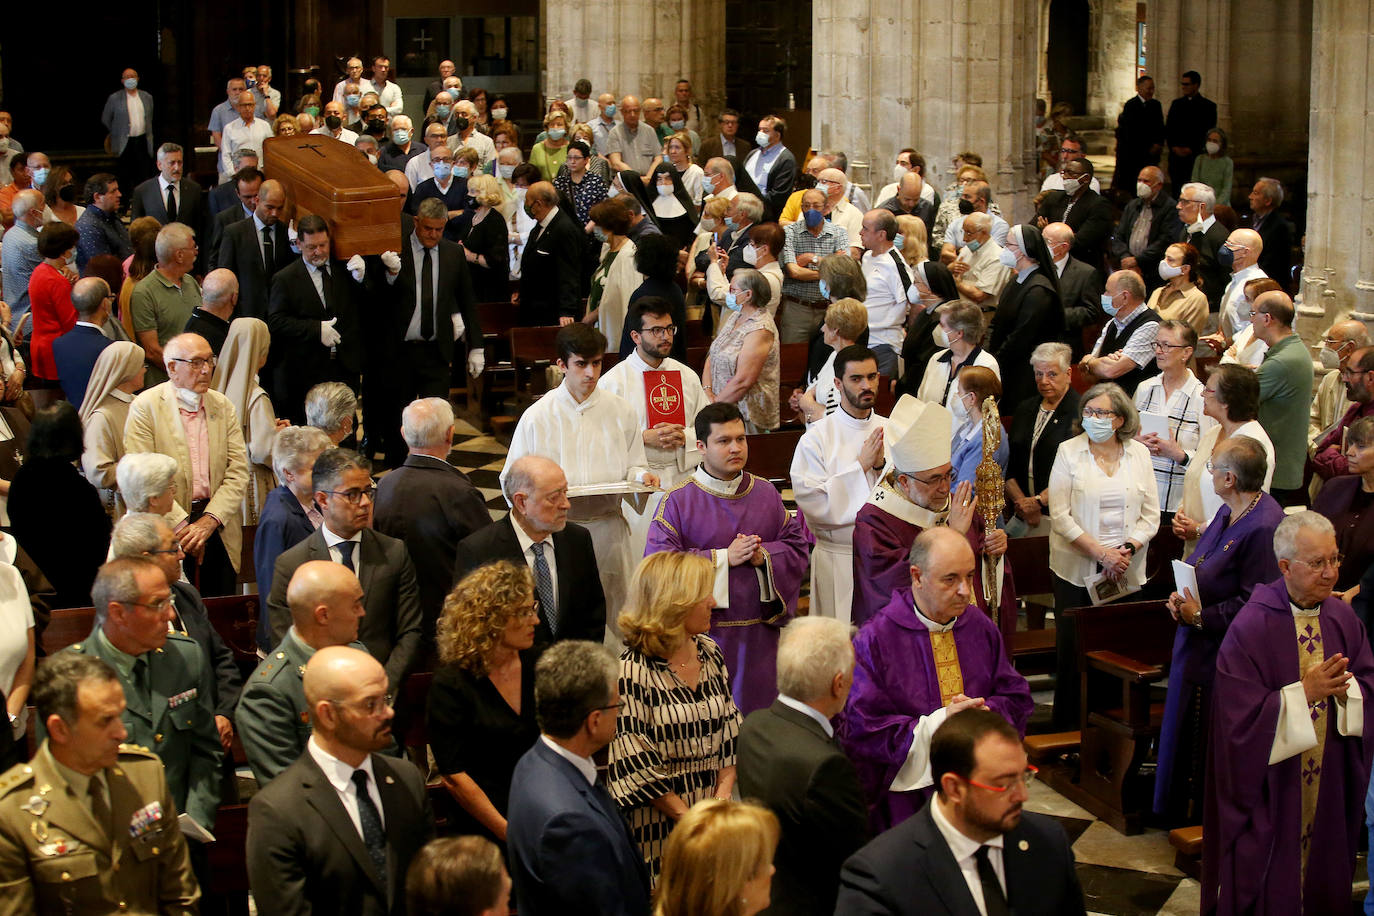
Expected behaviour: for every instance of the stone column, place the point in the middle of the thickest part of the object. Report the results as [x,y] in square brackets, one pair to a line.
[1191,35]
[632,48]
[937,75]
[1111,58]
[1338,276]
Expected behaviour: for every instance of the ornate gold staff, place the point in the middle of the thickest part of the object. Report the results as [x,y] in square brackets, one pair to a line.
[988,486]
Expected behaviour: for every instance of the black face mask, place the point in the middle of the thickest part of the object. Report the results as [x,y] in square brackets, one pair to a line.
[806,182]
[376,125]
[333,122]
[470,203]
[462,123]
[965,206]
[67,192]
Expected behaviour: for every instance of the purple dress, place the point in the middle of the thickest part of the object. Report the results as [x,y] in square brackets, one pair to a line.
[1231,559]
[696,520]
[895,684]
[1252,829]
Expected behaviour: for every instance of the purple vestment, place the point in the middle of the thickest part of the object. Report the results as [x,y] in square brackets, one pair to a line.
[695,520]
[1253,818]
[895,684]
[1231,560]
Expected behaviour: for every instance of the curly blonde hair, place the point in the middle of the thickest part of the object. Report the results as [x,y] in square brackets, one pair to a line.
[717,848]
[664,588]
[476,612]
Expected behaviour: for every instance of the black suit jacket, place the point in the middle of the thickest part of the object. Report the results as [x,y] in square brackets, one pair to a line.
[294,315]
[221,197]
[1214,276]
[1164,228]
[1276,259]
[1090,219]
[241,251]
[1189,120]
[909,870]
[787,762]
[779,181]
[391,627]
[711,147]
[581,602]
[149,200]
[194,621]
[455,298]
[222,221]
[1080,289]
[75,353]
[1058,428]
[305,855]
[550,273]
[431,506]
[1139,127]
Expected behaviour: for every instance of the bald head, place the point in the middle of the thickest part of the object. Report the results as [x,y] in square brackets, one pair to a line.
[27,201]
[271,201]
[837,182]
[336,673]
[325,599]
[1058,234]
[1245,245]
[541,198]
[1349,332]
[185,346]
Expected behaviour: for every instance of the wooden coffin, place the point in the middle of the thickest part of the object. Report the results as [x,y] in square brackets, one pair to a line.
[332,179]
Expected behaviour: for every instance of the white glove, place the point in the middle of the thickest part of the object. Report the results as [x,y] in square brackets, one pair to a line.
[357,267]
[392,260]
[477,361]
[328,336]
[458,326]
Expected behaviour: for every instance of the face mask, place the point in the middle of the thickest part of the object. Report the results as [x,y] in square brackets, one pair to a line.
[965,206]
[813,218]
[940,337]
[1213,147]
[899,241]
[677,125]
[761,138]
[250,81]
[1004,257]
[731,302]
[1196,226]
[68,193]
[40,177]
[823,187]
[506,171]
[498,114]
[372,158]
[898,171]
[973,247]
[708,224]
[959,409]
[443,111]
[1099,429]
[1330,359]
[190,400]
[825,290]
[1168,271]
[442,170]
[598,233]
[313,111]
[469,203]
[1142,190]
[664,190]
[751,255]
[612,191]
[352,100]
[1108,306]
[131,84]
[558,133]
[401,137]
[1226,257]
[609,112]
[529,212]
[730,223]
[460,171]
[462,123]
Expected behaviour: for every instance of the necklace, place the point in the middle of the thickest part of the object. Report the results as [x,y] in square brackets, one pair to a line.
[1202,558]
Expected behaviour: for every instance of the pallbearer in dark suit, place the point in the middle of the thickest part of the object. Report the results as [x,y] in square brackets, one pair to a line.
[336,831]
[789,761]
[550,268]
[239,196]
[168,197]
[972,850]
[256,248]
[313,314]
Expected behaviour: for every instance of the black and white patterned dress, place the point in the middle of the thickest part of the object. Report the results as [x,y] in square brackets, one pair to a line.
[669,738]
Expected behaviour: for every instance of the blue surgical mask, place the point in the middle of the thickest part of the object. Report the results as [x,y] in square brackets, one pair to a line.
[813,218]
[401,137]
[1099,429]
[610,111]
[506,171]
[677,125]
[599,234]
[825,289]
[352,100]
[1005,258]
[557,133]
[731,302]
[730,223]
[39,176]
[443,111]
[973,246]
[131,84]
[899,241]
[1226,257]
[442,170]
[1108,305]
[460,171]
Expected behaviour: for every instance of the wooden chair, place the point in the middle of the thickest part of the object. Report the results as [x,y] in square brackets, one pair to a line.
[68,626]
[792,363]
[532,349]
[498,379]
[696,360]
[608,361]
[1032,649]
[770,456]
[235,619]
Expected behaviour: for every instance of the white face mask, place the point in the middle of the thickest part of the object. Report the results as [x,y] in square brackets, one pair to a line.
[751,255]
[898,171]
[189,400]
[1142,190]
[1213,147]
[941,337]
[958,408]
[708,224]
[1168,271]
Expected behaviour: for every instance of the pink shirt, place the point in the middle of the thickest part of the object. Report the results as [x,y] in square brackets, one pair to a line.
[197,430]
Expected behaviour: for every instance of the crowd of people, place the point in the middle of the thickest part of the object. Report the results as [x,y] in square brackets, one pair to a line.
[1097,375]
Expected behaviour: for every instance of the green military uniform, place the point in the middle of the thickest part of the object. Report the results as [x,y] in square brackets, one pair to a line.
[55,858]
[273,719]
[175,719]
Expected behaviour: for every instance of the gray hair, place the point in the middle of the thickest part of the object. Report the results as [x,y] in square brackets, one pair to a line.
[138,533]
[723,166]
[237,156]
[167,149]
[436,210]
[756,283]
[1128,281]
[1204,193]
[141,476]
[837,158]
[117,581]
[966,318]
[291,447]
[59,678]
[1121,404]
[978,221]
[1246,459]
[328,404]
[1273,189]
[171,237]
[1286,535]
[26,201]
[520,478]
[811,651]
[1060,354]
[425,423]
[750,206]
[88,295]
[571,679]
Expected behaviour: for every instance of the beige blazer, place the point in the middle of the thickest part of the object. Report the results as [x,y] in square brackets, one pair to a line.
[154,425]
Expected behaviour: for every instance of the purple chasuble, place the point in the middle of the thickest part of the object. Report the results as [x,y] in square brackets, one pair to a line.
[695,520]
[895,684]
[1253,814]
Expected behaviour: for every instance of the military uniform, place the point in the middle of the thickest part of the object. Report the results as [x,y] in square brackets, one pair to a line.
[55,858]
[176,720]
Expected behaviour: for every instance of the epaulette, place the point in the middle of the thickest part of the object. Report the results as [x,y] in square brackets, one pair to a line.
[16,777]
[137,750]
[271,666]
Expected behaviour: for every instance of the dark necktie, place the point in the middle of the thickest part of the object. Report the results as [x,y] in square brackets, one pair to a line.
[374,836]
[171,204]
[994,901]
[100,809]
[544,583]
[346,558]
[268,255]
[141,679]
[427,297]
[327,285]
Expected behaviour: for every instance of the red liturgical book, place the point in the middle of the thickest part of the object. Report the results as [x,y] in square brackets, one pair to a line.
[663,394]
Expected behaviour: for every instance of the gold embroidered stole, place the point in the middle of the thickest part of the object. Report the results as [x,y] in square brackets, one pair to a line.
[947,672]
[1310,654]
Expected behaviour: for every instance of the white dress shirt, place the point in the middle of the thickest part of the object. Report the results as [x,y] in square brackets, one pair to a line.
[583,764]
[317,278]
[238,134]
[964,849]
[340,776]
[345,135]
[163,184]
[527,551]
[332,541]
[886,300]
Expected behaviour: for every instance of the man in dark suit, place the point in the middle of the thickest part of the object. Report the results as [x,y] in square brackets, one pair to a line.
[570,851]
[1199,227]
[1087,212]
[971,850]
[550,267]
[575,606]
[429,504]
[1080,287]
[1274,229]
[336,831]
[1190,117]
[76,351]
[714,144]
[221,197]
[1148,226]
[167,196]
[256,248]
[244,187]
[772,166]
[1139,134]
[789,761]
[344,493]
[312,311]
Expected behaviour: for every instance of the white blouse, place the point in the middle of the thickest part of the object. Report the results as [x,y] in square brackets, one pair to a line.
[16,620]
[1084,500]
[936,383]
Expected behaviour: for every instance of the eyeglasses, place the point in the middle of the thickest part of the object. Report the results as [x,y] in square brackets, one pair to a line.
[174,549]
[616,706]
[1025,779]
[667,330]
[370,706]
[1099,413]
[1064,149]
[164,605]
[1160,346]
[197,364]
[354,497]
[947,477]
[1321,564]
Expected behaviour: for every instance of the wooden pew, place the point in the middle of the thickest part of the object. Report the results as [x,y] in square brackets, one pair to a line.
[531,350]
[235,619]
[1032,649]
[770,456]
[67,626]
